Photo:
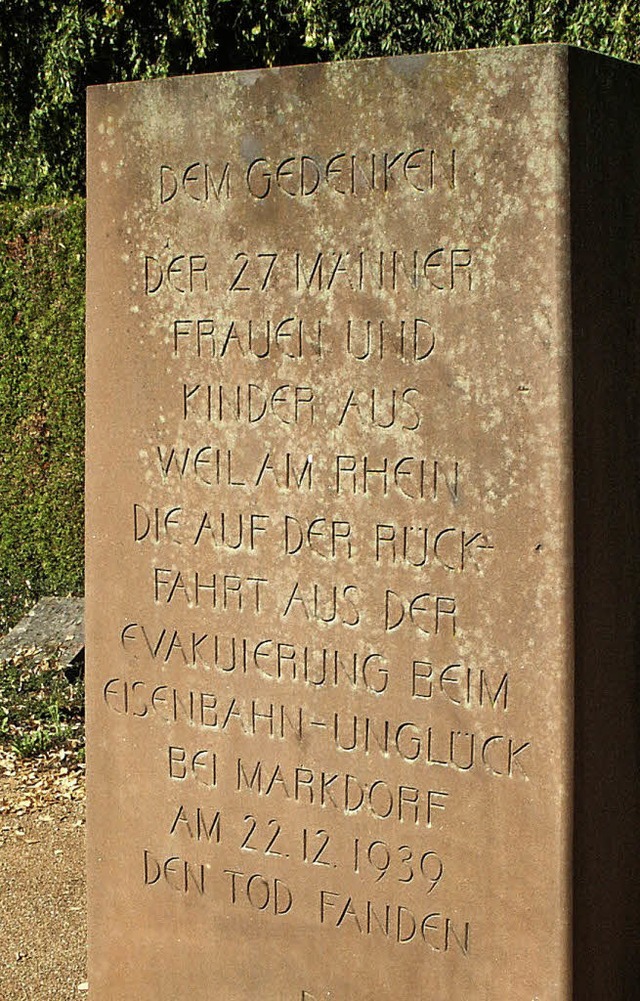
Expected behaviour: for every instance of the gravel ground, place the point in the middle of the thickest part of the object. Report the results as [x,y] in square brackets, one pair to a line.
[42,886]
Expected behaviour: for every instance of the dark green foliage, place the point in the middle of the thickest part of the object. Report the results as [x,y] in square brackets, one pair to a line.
[41,403]
[379,27]
[50,50]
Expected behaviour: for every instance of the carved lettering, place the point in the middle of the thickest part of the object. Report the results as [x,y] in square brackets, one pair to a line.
[238,337]
[407,476]
[199,181]
[177,873]
[200,827]
[250,404]
[302,175]
[200,765]
[216,467]
[395,922]
[183,273]
[259,892]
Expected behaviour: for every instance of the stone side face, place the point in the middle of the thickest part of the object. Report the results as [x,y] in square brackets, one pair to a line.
[605,198]
[330,533]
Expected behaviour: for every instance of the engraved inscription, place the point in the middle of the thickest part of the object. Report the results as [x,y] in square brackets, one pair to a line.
[326,589]
[301,175]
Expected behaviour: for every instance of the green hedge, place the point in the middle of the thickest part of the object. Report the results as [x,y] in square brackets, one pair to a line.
[42,269]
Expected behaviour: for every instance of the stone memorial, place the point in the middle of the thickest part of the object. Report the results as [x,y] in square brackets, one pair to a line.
[362,552]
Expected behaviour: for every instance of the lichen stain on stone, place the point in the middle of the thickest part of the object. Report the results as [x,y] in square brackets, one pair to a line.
[251,149]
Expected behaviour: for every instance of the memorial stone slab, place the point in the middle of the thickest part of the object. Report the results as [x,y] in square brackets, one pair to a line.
[362,471]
